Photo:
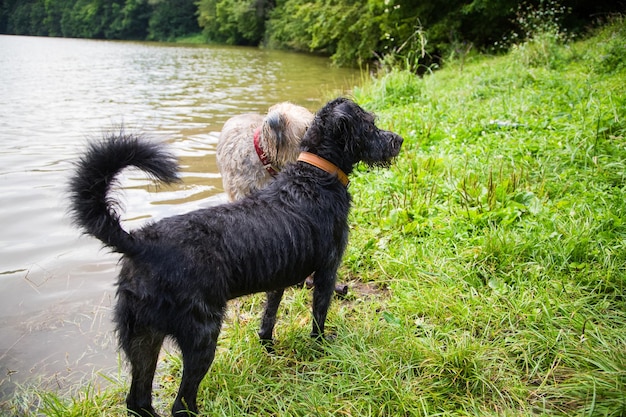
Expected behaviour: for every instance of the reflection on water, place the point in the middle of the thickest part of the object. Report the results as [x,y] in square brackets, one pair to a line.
[57,287]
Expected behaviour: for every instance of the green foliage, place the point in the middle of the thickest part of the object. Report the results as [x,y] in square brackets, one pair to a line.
[110,19]
[86,19]
[395,88]
[289,25]
[612,48]
[235,22]
[171,19]
[410,35]
[542,32]
[130,21]
[402,34]
[25,19]
[352,32]
[502,220]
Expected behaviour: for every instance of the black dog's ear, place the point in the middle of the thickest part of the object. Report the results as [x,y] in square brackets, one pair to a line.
[344,115]
[340,119]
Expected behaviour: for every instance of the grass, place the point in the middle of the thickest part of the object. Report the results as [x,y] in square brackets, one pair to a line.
[487,266]
[197,38]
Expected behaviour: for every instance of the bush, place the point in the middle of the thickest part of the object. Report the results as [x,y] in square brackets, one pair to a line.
[171,19]
[235,22]
[612,54]
[542,33]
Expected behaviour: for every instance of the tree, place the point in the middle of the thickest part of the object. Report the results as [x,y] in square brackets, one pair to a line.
[172,18]
[130,21]
[236,22]
[404,32]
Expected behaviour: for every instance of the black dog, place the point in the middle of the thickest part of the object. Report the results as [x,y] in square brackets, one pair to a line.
[177,274]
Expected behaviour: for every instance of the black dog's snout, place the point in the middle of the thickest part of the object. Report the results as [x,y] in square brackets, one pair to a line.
[395,142]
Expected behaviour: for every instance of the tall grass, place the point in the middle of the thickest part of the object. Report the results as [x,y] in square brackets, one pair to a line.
[487,266]
[502,225]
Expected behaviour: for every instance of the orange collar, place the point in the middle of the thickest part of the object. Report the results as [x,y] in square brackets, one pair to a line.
[325,165]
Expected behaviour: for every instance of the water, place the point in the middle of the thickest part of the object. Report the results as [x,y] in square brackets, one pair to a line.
[56,287]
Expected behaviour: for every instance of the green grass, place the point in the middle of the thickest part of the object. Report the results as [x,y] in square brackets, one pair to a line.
[487,266]
[197,38]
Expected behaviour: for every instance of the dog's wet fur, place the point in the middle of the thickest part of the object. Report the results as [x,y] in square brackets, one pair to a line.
[177,274]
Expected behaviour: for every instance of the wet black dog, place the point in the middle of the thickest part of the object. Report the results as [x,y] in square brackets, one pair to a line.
[177,274]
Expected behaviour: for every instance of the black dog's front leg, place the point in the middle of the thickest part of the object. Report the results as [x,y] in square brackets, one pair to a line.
[322,294]
[269,316]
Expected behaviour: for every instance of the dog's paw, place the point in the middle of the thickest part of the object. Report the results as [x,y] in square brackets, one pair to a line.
[142,412]
[326,337]
[268,344]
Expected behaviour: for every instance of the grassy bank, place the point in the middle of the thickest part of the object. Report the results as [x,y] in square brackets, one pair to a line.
[487,266]
[196,39]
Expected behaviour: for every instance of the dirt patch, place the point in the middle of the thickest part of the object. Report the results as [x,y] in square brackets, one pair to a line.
[359,290]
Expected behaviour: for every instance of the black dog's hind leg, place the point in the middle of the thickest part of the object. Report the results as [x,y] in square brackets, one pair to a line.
[142,348]
[269,317]
[322,293]
[198,350]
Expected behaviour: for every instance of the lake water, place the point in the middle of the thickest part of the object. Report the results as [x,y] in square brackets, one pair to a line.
[56,287]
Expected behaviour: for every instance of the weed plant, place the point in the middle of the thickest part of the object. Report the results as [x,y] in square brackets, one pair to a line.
[543,34]
[487,267]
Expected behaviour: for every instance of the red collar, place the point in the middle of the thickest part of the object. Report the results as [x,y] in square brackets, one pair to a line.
[262,155]
[324,165]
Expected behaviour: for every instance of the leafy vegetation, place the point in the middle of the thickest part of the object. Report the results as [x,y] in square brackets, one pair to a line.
[487,266]
[102,19]
[502,233]
[233,22]
[352,32]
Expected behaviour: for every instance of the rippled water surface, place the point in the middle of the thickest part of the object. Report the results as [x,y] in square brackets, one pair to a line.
[56,286]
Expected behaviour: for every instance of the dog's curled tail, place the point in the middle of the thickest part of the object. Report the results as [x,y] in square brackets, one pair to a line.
[92,207]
